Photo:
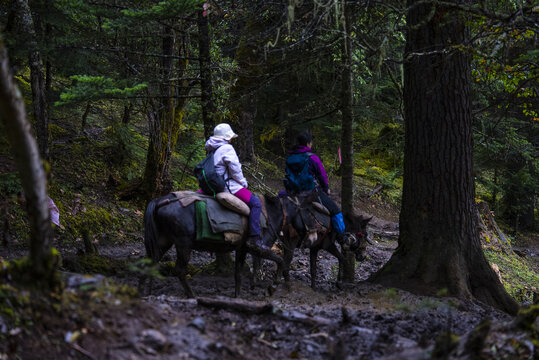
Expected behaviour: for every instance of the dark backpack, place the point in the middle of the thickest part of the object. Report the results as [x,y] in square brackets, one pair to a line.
[297,177]
[209,181]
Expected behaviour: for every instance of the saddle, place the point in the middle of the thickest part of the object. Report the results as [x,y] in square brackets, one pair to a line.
[221,219]
[321,214]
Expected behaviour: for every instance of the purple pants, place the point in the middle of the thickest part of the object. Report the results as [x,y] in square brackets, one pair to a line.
[256,208]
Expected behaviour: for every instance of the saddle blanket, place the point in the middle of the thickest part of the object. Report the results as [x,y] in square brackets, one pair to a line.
[215,222]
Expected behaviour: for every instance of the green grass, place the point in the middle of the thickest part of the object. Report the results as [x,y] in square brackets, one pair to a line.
[519,279]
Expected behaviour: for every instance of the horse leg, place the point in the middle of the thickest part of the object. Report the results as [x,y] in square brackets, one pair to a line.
[333,250]
[313,258]
[182,259]
[240,261]
[287,260]
[257,265]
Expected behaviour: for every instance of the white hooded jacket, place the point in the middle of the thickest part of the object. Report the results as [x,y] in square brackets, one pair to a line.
[227,164]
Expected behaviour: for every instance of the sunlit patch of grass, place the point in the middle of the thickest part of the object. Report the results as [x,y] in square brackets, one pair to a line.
[519,279]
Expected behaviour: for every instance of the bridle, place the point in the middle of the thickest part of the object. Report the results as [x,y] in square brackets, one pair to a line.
[298,205]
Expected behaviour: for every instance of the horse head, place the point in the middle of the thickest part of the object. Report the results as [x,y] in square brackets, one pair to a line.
[299,208]
[356,239]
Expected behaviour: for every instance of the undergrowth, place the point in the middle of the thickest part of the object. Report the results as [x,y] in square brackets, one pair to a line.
[519,279]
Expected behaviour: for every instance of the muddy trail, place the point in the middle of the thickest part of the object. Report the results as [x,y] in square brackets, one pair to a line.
[354,321]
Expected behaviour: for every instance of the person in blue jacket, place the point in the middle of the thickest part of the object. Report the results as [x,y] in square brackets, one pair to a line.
[311,176]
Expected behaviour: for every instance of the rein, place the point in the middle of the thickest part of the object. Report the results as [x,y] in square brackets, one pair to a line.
[299,209]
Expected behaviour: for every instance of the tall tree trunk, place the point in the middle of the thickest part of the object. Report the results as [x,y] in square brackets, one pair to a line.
[31,172]
[163,126]
[347,137]
[208,107]
[439,245]
[165,118]
[245,143]
[527,218]
[126,117]
[242,99]
[39,100]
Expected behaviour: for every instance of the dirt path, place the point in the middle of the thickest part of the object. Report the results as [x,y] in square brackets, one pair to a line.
[359,321]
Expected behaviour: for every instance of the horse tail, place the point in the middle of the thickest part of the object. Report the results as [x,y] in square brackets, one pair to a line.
[151,235]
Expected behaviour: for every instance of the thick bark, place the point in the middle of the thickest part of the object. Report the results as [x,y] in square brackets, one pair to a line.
[208,107]
[32,174]
[242,99]
[527,219]
[126,118]
[163,126]
[85,116]
[347,139]
[245,143]
[37,81]
[439,245]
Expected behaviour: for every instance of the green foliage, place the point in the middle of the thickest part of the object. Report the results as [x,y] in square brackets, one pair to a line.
[126,152]
[10,184]
[164,9]
[57,132]
[87,88]
[145,267]
[527,318]
[95,221]
[519,279]
[505,125]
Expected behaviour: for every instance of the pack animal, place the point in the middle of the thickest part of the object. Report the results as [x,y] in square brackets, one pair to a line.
[354,240]
[167,223]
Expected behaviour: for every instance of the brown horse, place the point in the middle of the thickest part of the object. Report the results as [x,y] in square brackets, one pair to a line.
[167,223]
[353,240]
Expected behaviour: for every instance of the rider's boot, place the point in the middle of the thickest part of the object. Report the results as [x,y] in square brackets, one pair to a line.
[256,241]
[338,224]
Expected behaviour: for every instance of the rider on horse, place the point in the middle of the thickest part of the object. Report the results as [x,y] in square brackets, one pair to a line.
[305,172]
[228,165]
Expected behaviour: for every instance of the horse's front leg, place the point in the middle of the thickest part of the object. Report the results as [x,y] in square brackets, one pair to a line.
[313,259]
[241,252]
[257,266]
[182,259]
[287,260]
[333,250]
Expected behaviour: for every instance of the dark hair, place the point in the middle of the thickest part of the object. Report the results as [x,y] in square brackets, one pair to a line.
[304,138]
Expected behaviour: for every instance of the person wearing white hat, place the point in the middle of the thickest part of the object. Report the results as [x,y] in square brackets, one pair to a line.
[227,164]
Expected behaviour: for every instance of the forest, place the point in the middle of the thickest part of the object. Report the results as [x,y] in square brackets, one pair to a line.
[422,114]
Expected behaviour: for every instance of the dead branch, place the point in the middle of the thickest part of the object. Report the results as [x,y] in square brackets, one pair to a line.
[238,305]
[83,351]
[249,307]
[376,189]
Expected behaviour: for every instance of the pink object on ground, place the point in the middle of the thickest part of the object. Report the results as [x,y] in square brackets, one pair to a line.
[55,213]
[244,195]
[200,191]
